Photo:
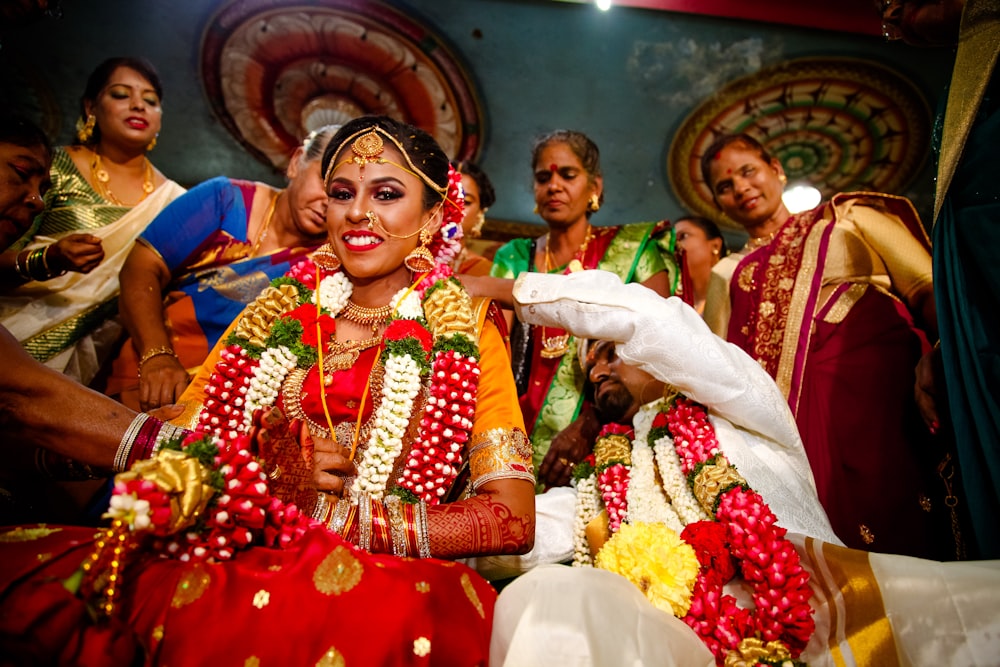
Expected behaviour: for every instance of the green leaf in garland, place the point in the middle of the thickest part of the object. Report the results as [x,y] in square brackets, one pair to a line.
[407,346]
[287,332]
[405,495]
[657,433]
[459,343]
[582,470]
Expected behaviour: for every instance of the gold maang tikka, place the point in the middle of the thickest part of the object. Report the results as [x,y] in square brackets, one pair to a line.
[367,148]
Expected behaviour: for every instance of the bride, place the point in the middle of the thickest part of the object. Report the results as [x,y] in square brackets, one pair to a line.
[377,397]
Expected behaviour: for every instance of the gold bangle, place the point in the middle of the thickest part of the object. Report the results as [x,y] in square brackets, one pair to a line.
[157,352]
[22,272]
[397,525]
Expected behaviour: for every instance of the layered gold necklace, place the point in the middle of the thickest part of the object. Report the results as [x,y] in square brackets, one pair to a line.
[101,178]
[554,347]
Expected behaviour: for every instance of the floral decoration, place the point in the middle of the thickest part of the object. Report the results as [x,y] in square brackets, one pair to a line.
[728,527]
[430,340]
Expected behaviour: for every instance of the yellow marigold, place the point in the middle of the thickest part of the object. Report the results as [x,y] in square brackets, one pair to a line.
[657,560]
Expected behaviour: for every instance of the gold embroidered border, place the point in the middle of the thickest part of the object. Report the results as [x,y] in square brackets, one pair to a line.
[839,310]
[500,454]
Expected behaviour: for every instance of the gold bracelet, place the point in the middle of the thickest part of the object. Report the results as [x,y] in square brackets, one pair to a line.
[397,525]
[45,263]
[22,272]
[157,352]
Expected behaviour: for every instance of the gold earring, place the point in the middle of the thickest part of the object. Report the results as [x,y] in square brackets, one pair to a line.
[152,144]
[594,204]
[420,259]
[326,258]
[783,179]
[85,130]
[535,210]
[477,229]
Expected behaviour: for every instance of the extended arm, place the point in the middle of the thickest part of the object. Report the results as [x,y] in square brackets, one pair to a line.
[143,278]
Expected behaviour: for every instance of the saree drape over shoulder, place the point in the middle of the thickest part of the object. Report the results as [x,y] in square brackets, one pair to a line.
[68,322]
[826,308]
[203,239]
[553,394]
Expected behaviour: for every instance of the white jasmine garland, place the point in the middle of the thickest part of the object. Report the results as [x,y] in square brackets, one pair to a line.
[684,503]
[406,305]
[646,502]
[334,292]
[129,508]
[275,364]
[588,505]
[400,387]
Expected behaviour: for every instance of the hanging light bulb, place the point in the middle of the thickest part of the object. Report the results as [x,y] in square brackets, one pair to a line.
[603,5]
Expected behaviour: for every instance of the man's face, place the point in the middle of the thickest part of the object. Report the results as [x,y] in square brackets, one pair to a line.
[619,389]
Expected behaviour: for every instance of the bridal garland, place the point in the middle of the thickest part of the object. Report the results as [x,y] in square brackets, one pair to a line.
[723,527]
[429,340]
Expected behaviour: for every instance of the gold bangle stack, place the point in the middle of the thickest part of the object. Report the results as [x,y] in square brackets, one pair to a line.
[36,265]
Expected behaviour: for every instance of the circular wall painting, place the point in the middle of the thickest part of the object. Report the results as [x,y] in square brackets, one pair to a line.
[275,71]
[838,124]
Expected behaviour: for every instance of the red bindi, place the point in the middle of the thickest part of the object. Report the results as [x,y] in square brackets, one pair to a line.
[553,168]
[729,171]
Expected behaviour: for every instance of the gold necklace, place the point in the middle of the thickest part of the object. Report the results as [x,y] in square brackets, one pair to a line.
[267,224]
[760,241]
[373,317]
[553,347]
[101,178]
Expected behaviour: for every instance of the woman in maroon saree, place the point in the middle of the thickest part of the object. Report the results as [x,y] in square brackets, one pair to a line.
[831,303]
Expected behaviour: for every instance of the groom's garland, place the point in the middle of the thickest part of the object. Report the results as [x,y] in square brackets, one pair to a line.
[621,477]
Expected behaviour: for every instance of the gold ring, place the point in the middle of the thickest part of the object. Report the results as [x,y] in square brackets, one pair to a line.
[563,460]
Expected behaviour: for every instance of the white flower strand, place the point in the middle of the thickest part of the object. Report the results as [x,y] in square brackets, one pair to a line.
[275,364]
[588,505]
[128,507]
[334,292]
[646,502]
[406,305]
[399,389]
[675,483]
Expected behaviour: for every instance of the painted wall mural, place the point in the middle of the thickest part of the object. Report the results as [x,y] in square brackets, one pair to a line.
[839,124]
[274,71]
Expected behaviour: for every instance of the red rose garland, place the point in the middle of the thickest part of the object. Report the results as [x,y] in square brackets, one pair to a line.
[766,559]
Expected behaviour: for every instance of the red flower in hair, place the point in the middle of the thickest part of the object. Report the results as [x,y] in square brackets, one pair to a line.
[402,329]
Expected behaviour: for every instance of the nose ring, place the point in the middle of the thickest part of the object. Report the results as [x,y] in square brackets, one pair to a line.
[372,219]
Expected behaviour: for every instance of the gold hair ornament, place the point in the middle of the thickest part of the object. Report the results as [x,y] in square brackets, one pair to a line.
[367,147]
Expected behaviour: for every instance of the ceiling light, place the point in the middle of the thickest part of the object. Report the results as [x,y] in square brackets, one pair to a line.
[603,5]
[800,197]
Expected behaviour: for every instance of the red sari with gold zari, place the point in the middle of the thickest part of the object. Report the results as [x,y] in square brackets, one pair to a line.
[824,309]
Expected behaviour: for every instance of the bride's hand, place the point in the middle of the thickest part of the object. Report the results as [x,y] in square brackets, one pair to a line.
[331,464]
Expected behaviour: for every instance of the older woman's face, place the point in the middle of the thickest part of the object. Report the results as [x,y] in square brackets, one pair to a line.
[24,178]
[746,188]
[562,185]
